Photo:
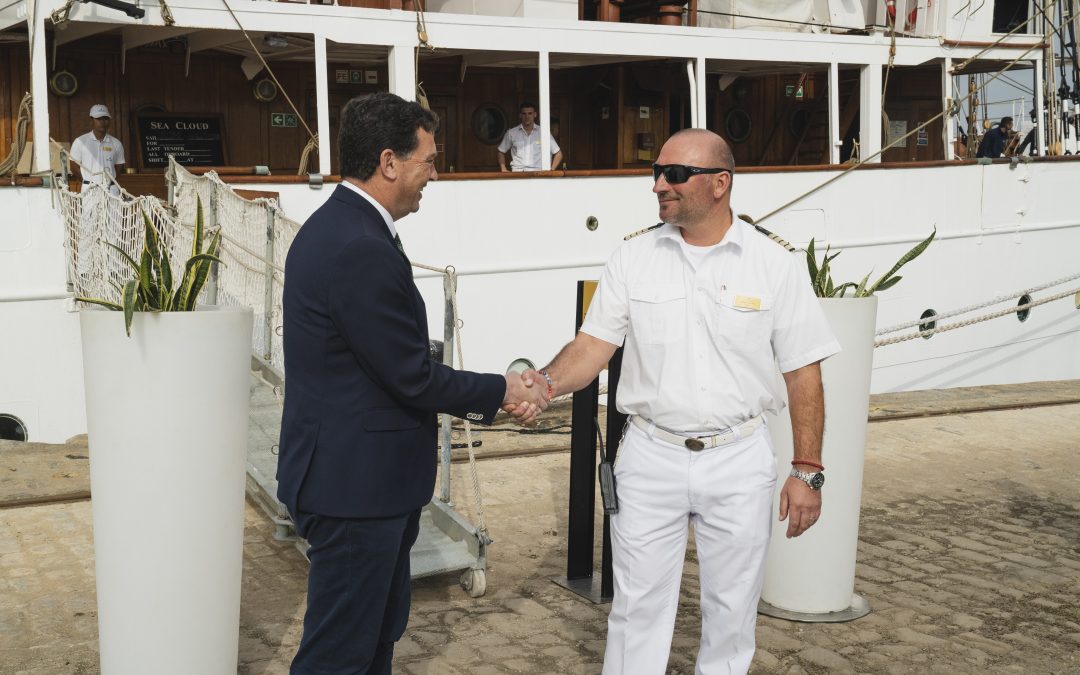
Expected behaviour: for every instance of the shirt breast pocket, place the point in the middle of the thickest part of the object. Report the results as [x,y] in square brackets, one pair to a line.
[742,320]
[657,313]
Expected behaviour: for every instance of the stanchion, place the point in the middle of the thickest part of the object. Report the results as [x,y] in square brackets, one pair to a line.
[580,577]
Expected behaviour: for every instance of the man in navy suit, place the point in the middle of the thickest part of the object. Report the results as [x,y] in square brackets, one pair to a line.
[358,432]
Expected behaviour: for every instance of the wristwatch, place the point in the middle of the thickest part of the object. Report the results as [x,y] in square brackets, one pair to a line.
[814,480]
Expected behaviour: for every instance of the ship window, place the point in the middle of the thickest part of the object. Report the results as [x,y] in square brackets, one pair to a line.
[489,123]
[1008,14]
[927,326]
[737,125]
[1023,314]
[11,428]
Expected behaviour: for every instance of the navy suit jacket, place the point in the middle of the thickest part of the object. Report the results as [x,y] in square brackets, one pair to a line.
[359,427]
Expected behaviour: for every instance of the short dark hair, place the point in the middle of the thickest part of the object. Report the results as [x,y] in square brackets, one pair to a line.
[527,104]
[1005,120]
[377,122]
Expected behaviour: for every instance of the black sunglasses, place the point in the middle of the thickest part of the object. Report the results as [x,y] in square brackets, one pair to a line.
[680,173]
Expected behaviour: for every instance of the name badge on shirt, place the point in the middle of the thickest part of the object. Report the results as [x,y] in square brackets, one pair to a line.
[747,302]
[107,148]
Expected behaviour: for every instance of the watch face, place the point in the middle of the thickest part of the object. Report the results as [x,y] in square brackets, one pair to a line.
[817,480]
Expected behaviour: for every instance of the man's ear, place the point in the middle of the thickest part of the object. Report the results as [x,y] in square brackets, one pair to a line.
[388,164]
[723,183]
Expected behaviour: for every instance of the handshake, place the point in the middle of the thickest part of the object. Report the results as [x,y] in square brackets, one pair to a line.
[526,396]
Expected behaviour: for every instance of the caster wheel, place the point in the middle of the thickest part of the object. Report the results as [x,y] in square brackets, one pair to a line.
[474,582]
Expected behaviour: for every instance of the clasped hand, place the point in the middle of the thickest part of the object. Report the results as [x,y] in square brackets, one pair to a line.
[525,398]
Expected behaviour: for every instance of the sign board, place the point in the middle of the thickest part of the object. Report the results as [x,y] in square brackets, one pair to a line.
[287,120]
[341,76]
[923,138]
[194,140]
[897,129]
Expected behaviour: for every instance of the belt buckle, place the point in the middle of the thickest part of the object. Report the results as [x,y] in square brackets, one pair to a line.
[695,444]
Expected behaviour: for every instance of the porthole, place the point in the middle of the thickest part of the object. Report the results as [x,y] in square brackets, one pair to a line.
[926,326]
[1023,314]
[12,428]
[64,83]
[737,125]
[489,124]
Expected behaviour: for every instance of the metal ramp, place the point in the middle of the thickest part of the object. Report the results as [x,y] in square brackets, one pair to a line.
[446,542]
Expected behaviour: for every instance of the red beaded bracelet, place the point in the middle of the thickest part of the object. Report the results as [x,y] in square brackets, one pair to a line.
[817,466]
[550,384]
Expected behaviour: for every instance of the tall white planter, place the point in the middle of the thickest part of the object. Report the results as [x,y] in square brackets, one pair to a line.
[812,577]
[167,417]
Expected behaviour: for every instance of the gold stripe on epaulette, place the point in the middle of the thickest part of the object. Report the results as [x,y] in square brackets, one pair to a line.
[775,237]
[640,232]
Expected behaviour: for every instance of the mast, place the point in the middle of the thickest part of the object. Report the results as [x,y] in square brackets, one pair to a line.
[1050,94]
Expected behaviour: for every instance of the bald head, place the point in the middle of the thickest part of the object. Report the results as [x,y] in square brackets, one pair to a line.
[714,151]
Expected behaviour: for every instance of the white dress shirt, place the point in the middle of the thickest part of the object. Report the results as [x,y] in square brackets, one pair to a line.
[524,149]
[706,329]
[378,207]
[97,158]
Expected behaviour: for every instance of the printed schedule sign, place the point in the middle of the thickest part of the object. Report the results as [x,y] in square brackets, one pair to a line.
[194,140]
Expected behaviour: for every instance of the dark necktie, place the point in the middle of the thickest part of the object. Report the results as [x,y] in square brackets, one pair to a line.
[401,250]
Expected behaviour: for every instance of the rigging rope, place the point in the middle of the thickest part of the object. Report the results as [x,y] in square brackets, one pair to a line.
[914,131]
[961,324]
[10,165]
[971,308]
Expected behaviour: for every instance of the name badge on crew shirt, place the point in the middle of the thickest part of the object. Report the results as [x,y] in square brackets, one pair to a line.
[747,302]
[107,148]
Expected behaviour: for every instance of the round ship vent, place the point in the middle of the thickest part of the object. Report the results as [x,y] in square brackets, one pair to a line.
[12,428]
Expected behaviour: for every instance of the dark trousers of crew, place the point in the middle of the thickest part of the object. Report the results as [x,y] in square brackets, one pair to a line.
[358,593]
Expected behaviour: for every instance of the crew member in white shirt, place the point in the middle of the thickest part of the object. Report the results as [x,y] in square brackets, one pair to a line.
[706,306]
[97,155]
[96,158]
[522,144]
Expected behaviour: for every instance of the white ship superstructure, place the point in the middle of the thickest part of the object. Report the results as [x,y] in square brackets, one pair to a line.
[803,95]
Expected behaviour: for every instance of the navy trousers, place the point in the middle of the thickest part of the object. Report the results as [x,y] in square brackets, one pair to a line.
[358,593]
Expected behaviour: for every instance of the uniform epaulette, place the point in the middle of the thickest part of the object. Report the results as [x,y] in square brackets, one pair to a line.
[775,237]
[641,232]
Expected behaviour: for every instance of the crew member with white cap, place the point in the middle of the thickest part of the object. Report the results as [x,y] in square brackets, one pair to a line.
[96,157]
[97,153]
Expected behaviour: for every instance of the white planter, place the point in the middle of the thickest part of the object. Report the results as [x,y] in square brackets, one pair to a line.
[812,577]
[167,417]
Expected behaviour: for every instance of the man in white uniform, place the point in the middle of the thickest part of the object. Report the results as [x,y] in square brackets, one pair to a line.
[707,306]
[522,143]
[96,156]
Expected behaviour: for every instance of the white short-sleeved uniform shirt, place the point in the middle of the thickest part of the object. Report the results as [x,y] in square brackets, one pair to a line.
[525,149]
[97,158]
[705,329]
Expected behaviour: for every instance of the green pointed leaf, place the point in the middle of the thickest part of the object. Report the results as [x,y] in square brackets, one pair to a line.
[166,282]
[130,292]
[842,289]
[904,259]
[890,283]
[860,290]
[196,243]
[104,303]
[123,253]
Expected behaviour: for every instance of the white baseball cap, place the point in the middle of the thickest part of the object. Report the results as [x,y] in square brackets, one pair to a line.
[99,111]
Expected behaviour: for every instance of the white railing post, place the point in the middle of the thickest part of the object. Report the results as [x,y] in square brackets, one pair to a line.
[268,298]
[449,323]
[322,104]
[869,112]
[835,141]
[402,75]
[544,76]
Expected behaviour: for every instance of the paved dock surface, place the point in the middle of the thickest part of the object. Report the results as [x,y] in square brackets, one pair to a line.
[969,554]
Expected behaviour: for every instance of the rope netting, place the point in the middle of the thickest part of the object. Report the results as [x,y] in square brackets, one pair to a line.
[256,236]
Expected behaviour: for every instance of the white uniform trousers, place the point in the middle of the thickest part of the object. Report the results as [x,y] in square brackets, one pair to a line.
[726,493]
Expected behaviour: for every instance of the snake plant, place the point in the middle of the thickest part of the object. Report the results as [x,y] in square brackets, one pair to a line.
[821,274]
[152,289]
